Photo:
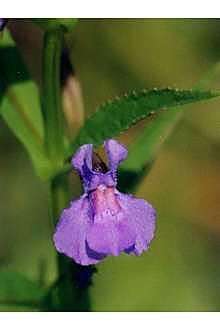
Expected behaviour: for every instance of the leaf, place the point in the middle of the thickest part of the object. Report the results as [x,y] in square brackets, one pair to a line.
[19,104]
[53,23]
[17,290]
[116,116]
[143,151]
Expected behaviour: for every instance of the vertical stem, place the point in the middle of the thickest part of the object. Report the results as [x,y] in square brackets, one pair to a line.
[59,198]
[51,97]
[73,279]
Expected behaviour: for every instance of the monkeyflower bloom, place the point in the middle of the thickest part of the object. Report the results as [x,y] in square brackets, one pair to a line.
[103,221]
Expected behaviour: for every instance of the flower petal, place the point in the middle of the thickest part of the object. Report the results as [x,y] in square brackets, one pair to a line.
[141,217]
[70,234]
[116,153]
[128,228]
[110,237]
[82,159]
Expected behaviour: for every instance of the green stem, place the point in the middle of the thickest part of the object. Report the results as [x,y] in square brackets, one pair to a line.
[51,97]
[59,189]
[70,296]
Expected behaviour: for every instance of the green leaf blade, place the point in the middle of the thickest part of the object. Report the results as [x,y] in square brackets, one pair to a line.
[143,151]
[20,104]
[116,116]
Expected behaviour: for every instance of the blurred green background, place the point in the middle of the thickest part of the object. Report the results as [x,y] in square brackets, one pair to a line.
[181,270]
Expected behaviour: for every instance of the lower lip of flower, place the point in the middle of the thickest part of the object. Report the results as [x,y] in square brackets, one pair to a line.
[104,202]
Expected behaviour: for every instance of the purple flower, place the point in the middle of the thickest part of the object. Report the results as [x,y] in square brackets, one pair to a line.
[103,221]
